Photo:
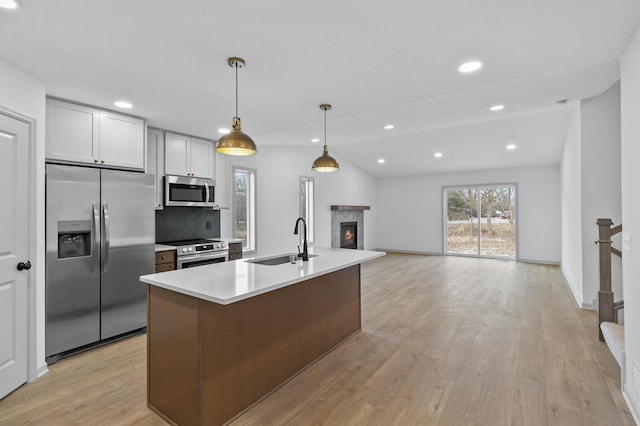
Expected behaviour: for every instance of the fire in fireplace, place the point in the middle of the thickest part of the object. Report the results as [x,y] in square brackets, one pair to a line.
[349,235]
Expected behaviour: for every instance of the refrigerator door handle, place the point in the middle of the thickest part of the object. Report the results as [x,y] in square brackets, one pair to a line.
[105,239]
[96,239]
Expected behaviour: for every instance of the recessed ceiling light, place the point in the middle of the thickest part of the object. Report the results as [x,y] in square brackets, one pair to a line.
[9,4]
[497,107]
[437,154]
[511,147]
[224,131]
[315,140]
[123,104]
[389,127]
[470,66]
[381,160]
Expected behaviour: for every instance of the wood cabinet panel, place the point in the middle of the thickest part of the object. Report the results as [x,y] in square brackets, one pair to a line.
[165,260]
[172,336]
[245,349]
[235,251]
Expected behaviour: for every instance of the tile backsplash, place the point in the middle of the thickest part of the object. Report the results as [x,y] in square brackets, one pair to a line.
[184,223]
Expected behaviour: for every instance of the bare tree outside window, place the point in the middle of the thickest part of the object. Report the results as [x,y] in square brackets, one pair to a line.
[481,221]
[244,200]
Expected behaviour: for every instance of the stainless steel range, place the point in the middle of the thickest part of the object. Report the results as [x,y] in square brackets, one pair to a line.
[191,253]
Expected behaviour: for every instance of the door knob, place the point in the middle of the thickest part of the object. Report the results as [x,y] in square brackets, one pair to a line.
[23,265]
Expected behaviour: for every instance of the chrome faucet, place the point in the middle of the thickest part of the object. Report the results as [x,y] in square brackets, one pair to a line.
[305,253]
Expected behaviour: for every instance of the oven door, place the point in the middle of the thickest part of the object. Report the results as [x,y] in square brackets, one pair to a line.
[202,259]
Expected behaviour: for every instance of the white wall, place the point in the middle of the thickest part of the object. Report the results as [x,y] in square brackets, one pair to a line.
[600,184]
[278,173]
[24,95]
[630,153]
[571,216]
[410,212]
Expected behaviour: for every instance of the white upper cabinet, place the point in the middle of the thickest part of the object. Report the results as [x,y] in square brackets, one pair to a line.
[78,133]
[188,156]
[202,152]
[121,140]
[222,182]
[72,132]
[155,162]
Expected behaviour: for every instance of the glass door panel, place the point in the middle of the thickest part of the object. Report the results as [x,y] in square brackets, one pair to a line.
[497,224]
[481,221]
[462,221]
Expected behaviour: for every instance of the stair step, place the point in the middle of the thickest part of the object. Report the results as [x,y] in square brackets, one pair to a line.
[614,337]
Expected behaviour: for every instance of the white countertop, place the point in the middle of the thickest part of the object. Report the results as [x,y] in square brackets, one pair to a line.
[229,282]
[163,247]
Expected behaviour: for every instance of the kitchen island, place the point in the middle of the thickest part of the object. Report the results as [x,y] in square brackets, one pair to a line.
[223,336]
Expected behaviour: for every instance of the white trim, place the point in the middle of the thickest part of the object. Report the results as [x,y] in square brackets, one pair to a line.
[34,370]
[571,287]
[632,404]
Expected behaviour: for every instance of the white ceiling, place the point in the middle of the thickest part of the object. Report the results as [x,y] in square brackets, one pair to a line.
[376,62]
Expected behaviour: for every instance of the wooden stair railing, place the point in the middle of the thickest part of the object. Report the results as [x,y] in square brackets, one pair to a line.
[607,309]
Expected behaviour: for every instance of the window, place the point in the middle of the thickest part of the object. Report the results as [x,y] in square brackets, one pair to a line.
[306,204]
[481,220]
[244,207]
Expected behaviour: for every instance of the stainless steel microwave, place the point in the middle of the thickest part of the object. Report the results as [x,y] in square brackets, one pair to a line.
[188,191]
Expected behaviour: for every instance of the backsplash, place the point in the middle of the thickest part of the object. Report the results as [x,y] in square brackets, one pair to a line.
[184,223]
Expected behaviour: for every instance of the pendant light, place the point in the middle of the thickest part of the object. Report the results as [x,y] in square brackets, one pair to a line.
[236,142]
[325,163]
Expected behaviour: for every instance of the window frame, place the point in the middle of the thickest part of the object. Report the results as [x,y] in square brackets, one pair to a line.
[252,197]
[308,204]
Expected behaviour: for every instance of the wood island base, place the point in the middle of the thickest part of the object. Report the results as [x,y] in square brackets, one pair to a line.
[208,362]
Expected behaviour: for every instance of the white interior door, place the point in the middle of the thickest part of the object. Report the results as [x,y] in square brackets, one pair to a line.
[14,167]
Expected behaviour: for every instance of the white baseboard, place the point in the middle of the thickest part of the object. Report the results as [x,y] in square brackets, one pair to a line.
[571,287]
[407,251]
[41,371]
[634,406]
[629,395]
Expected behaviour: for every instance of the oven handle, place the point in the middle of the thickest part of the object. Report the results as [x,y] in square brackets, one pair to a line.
[215,255]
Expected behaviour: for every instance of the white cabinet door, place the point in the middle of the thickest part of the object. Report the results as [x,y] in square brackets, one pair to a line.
[72,132]
[121,140]
[177,152]
[222,181]
[201,158]
[155,162]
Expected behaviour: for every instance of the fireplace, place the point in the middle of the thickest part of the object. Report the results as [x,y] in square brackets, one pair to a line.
[349,235]
[347,226]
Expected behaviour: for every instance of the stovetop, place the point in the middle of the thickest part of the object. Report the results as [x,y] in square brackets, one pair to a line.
[188,242]
[197,246]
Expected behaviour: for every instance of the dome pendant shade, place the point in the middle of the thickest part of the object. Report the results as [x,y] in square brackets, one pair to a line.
[236,142]
[325,163]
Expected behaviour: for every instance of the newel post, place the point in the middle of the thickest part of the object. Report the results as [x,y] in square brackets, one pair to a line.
[605,295]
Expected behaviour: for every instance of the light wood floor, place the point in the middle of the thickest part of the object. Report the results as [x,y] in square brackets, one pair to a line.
[444,341]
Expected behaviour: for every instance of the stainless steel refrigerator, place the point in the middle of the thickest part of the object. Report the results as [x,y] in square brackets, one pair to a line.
[100,236]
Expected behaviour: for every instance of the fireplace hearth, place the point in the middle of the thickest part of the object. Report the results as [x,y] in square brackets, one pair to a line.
[349,235]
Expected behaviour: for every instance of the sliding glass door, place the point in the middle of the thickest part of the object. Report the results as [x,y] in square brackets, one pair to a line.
[481,221]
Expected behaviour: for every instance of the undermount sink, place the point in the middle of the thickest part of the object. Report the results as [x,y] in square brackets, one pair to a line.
[278,260]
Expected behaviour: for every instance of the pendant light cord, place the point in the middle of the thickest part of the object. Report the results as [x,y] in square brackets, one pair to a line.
[236,89]
[325,127]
